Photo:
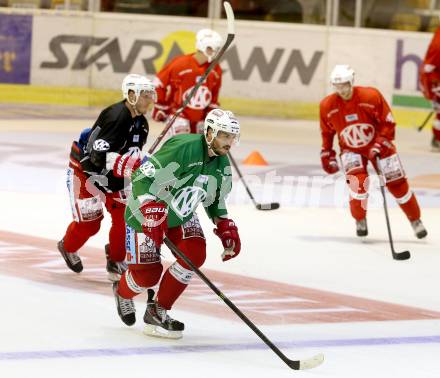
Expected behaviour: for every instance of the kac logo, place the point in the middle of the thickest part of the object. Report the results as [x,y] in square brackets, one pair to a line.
[101,145]
[201,99]
[358,135]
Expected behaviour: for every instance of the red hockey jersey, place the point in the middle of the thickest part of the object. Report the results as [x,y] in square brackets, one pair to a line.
[430,69]
[357,122]
[176,80]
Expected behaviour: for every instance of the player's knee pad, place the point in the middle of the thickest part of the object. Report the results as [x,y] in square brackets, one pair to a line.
[180,273]
[400,190]
[358,185]
[141,277]
[88,228]
[195,249]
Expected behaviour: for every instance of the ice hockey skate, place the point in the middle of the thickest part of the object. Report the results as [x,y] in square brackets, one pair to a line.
[72,260]
[158,323]
[419,229]
[114,269]
[361,227]
[126,309]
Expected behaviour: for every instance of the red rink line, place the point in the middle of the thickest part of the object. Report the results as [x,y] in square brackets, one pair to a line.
[265,302]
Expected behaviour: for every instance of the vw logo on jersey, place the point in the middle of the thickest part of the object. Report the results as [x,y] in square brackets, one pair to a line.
[201,99]
[358,135]
[187,199]
[101,145]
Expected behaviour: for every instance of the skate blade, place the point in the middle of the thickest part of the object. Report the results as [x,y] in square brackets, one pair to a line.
[156,331]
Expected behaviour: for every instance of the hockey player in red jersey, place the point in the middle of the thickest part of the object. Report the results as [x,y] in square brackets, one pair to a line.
[365,127]
[101,163]
[176,80]
[430,84]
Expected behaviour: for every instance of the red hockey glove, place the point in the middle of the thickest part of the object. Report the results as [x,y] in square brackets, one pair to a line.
[155,221]
[126,164]
[329,162]
[160,112]
[380,148]
[228,233]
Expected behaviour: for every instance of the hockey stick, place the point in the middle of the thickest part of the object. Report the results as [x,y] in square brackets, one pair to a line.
[229,39]
[259,206]
[309,363]
[428,117]
[404,255]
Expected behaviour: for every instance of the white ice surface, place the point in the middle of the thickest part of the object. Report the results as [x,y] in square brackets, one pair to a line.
[310,246]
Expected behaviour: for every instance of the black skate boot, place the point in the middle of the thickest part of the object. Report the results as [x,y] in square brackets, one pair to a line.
[72,260]
[126,309]
[419,229]
[158,323]
[114,269]
[361,227]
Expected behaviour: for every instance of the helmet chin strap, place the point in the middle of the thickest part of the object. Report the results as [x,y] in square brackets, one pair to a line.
[133,105]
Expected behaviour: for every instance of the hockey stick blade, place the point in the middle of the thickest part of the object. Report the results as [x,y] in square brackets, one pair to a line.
[309,363]
[405,255]
[267,206]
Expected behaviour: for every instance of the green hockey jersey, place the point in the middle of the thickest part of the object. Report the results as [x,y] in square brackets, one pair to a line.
[182,175]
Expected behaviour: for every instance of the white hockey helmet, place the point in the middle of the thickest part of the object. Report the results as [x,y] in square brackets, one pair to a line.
[208,38]
[222,120]
[137,84]
[342,73]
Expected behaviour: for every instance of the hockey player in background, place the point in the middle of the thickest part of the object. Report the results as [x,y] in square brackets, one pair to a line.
[362,119]
[101,163]
[187,170]
[430,85]
[176,80]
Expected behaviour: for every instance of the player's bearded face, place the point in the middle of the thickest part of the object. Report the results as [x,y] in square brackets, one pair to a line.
[344,90]
[222,143]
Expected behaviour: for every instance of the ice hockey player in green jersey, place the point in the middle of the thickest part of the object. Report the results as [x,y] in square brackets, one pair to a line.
[188,170]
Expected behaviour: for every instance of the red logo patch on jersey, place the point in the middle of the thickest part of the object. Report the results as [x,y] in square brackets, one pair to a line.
[358,135]
[201,99]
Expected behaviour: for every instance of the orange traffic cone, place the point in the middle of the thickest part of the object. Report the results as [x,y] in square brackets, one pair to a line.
[255,158]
